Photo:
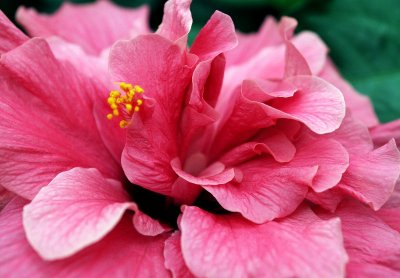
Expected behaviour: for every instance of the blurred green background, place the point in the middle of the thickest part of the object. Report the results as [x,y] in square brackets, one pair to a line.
[363,35]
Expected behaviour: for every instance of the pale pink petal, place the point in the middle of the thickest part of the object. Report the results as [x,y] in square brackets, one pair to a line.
[152,136]
[94,26]
[53,131]
[107,258]
[176,22]
[368,240]
[250,44]
[75,210]
[360,105]
[217,36]
[382,133]
[11,36]
[173,257]
[267,190]
[371,177]
[229,246]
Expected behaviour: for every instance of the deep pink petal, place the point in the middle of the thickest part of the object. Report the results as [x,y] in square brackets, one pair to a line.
[360,105]
[176,22]
[266,191]
[75,210]
[56,131]
[368,240]
[229,246]
[107,258]
[95,26]
[174,259]
[216,37]
[371,177]
[152,135]
[11,36]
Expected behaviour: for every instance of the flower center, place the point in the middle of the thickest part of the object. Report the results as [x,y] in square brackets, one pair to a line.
[124,105]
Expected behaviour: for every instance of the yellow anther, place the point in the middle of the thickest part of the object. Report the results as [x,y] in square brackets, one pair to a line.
[115,94]
[123,124]
[125,102]
[111,100]
[128,107]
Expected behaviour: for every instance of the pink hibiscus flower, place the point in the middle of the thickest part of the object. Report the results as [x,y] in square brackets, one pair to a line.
[243,155]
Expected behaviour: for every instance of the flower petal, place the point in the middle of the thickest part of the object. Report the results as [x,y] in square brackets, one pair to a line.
[371,177]
[173,257]
[382,133]
[99,260]
[76,209]
[217,36]
[95,26]
[229,246]
[368,240]
[11,36]
[261,194]
[176,22]
[44,136]
[152,135]
[360,105]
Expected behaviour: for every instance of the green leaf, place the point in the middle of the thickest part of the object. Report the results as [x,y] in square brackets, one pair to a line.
[364,38]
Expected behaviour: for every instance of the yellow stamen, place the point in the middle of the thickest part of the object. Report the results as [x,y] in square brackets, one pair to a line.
[123,124]
[125,104]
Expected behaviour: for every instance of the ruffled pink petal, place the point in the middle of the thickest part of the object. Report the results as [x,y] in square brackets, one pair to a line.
[94,26]
[217,36]
[152,136]
[371,177]
[176,22]
[76,209]
[250,44]
[262,195]
[107,258]
[173,257]
[309,105]
[360,105]
[229,246]
[382,133]
[11,36]
[329,155]
[370,242]
[55,132]
[271,141]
